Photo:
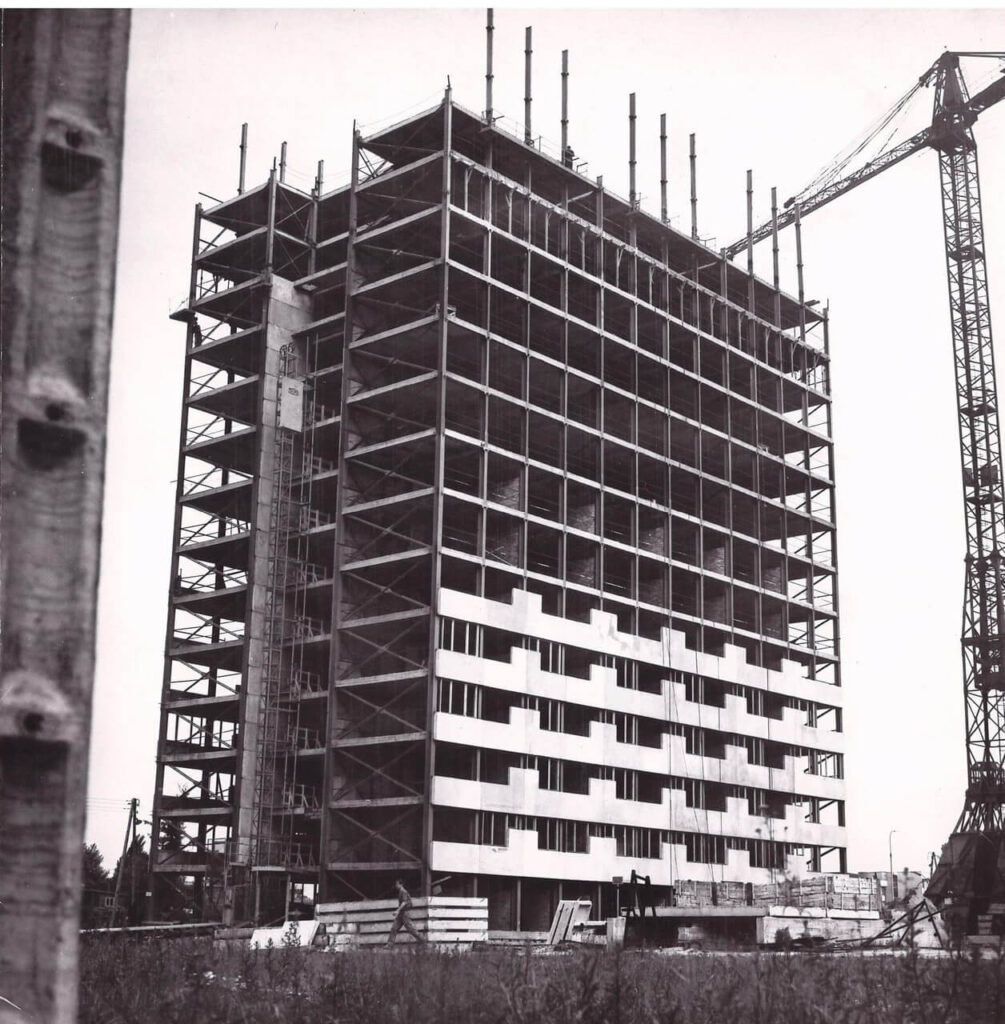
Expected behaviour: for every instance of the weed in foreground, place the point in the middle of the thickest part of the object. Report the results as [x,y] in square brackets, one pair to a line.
[157,981]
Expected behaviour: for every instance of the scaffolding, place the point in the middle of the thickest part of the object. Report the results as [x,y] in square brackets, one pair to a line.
[279,797]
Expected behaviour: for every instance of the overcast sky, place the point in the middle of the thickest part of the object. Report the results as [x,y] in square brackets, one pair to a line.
[780,92]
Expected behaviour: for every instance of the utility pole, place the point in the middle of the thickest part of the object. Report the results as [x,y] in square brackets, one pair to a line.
[64,76]
[128,840]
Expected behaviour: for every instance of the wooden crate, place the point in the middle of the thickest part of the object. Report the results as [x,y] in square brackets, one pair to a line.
[689,893]
[731,894]
[835,892]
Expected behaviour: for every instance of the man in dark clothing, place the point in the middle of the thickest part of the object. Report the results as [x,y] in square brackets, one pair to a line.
[401,917]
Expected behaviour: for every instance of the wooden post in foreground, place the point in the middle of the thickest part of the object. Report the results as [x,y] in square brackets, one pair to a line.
[64,89]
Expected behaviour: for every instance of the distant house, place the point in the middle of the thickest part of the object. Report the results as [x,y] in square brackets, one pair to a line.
[903,888]
[96,906]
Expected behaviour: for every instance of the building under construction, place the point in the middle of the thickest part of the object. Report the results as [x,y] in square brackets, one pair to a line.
[504,554]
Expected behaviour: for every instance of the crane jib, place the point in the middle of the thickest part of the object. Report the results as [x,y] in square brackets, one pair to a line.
[966,112]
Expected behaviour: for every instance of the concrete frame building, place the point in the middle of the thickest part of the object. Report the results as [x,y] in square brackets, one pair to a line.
[504,546]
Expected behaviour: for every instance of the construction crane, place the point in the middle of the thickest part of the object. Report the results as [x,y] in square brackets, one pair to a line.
[970,875]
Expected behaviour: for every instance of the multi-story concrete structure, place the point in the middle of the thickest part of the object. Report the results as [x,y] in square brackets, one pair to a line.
[504,545]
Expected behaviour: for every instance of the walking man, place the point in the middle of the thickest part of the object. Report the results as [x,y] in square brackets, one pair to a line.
[401,919]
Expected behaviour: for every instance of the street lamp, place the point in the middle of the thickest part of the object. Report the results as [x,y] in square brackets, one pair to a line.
[889,847]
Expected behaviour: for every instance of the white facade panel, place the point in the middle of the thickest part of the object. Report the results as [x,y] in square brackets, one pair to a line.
[804,783]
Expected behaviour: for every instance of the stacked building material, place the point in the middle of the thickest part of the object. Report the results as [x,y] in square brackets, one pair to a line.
[850,892]
[732,894]
[693,894]
[834,892]
[458,921]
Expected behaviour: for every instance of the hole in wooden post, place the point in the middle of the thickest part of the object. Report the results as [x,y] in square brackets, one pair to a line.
[45,445]
[32,722]
[67,168]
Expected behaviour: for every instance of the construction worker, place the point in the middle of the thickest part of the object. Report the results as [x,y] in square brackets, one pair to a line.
[401,919]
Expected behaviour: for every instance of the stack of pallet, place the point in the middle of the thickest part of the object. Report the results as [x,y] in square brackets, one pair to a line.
[457,921]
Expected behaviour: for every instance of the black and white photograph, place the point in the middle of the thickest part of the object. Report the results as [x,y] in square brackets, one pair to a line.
[502,515]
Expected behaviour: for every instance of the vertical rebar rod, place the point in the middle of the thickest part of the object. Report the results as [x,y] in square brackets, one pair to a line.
[565,103]
[775,275]
[312,234]
[528,51]
[663,168]
[270,232]
[799,275]
[694,190]
[750,240]
[196,247]
[632,196]
[489,30]
[282,162]
[244,158]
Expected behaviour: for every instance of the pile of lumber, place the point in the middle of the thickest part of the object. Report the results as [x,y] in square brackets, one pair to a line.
[455,920]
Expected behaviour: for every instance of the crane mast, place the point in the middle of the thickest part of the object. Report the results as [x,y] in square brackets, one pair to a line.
[970,874]
[980,453]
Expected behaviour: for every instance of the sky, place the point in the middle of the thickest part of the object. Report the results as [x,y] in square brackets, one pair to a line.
[780,92]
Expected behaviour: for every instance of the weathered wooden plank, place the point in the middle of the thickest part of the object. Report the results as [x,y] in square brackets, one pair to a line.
[404,939]
[64,91]
[513,938]
[378,934]
[416,914]
[568,914]
[371,927]
[418,901]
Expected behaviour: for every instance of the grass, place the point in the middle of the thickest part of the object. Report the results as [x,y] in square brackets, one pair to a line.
[150,981]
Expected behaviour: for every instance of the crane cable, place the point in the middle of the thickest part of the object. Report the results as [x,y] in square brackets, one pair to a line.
[834,170]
